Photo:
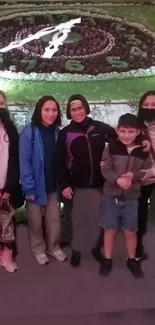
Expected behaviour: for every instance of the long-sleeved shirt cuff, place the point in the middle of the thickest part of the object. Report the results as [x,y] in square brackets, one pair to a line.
[29,192]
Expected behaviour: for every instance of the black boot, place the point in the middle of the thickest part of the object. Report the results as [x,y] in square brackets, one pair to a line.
[140,254]
[96,251]
[105,267]
[135,268]
[75,259]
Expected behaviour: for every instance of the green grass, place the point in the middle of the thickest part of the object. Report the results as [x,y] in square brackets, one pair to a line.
[129,89]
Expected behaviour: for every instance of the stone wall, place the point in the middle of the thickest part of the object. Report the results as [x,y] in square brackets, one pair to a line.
[107,112]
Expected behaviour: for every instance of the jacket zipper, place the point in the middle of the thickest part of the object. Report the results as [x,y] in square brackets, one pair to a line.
[127,166]
[91,160]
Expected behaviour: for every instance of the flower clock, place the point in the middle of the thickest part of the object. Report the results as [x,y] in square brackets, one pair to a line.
[96,47]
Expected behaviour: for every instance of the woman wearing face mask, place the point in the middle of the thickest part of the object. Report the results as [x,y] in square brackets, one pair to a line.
[80,146]
[38,179]
[9,176]
[146,115]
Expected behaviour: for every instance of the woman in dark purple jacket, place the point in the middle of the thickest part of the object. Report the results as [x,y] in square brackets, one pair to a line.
[80,146]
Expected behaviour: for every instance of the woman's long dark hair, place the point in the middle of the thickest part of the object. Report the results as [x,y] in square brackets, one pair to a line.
[36,117]
[142,99]
[7,122]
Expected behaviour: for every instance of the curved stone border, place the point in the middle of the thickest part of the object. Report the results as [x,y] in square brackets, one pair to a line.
[58,77]
[77,77]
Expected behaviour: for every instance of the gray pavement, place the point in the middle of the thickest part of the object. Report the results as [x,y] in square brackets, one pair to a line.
[58,294]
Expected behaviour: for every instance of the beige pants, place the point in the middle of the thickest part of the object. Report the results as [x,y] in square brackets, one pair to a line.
[52,226]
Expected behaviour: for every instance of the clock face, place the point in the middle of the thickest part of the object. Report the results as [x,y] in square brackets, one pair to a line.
[67,43]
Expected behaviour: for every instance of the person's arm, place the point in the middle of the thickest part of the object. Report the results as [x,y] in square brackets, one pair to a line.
[144,139]
[144,173]
[63,175]
[13,162]
[148,169]
[107,170]
[110,133]
[25,161]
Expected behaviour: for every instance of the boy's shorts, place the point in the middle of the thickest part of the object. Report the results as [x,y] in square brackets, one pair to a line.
[119,214]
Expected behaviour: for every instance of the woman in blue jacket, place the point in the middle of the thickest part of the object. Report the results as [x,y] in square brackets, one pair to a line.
[38,179]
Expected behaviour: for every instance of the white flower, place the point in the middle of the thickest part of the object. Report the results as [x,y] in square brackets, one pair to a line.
[12,68]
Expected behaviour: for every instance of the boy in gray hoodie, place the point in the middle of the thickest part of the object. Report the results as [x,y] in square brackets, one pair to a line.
[124,161]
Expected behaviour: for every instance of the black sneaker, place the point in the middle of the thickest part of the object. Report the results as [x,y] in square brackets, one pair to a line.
[75,259]
[135,268]
[96,252]
[105,267]
[140,254]
[141,257]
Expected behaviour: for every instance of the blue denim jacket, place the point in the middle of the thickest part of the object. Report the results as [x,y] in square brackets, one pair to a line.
[31,158]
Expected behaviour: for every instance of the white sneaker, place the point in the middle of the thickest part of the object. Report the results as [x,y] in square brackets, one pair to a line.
[42,259]
[59,255]
[7,261]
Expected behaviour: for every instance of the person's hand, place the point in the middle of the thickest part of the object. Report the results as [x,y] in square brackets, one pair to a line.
[148,173]
[128,175]
[67,193]
[146,145]
[102,163]
[5,196]
[30,198]
[124,183]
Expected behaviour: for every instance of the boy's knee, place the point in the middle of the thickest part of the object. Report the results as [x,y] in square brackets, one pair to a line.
[110,232]
[130,234]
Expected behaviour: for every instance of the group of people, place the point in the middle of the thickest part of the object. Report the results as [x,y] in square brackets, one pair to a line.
[106,186]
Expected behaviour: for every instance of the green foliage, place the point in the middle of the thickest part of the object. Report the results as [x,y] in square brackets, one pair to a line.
[132,40]
[128,36]
[114,89]
[1,60]
[74,65]
[24,63]
[120,28]
[64,18]
[136,51]
[116,62]
[90,21]
[29,68]
[31,20]
[50,18]
[20,21]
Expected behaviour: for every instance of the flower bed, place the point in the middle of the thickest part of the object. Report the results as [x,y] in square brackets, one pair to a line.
[101,47]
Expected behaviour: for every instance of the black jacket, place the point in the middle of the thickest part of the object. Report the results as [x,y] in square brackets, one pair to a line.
[79,152]
[12,185]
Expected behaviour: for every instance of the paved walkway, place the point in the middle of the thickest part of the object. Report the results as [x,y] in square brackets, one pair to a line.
[58,294]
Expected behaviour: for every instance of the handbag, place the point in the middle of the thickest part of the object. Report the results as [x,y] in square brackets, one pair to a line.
[6,222]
